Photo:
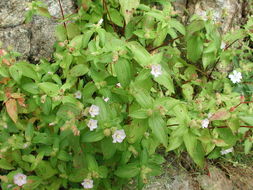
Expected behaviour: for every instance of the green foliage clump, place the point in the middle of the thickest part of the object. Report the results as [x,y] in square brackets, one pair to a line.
[127,78]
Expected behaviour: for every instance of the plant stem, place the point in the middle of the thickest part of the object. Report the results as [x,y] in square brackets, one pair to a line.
[107,11]
[63,17]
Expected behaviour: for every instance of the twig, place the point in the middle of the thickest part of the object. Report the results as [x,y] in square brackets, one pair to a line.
[63,18]
[234,107]
[243,126]
[215,64]
[107,11]
[165,43]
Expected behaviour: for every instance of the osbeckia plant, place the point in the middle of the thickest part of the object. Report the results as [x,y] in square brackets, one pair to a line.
[127,78]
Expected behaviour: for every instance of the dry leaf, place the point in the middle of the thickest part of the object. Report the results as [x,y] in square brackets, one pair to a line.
[11,106]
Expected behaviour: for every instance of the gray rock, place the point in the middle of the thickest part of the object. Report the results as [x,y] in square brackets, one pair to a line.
[226,12]
[12,12]
[17,38]
[34,40]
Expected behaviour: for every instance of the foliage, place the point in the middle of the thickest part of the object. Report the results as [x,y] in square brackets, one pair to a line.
[119,89]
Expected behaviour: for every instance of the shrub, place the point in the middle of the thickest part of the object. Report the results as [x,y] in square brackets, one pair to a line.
[127,78]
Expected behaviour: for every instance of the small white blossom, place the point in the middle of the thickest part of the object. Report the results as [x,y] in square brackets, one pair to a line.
[203,15]
[106,99]
[118,85]
[92,124]
[205,123]
[235,77]
[50,73]
[20,179]
[26,145]
[156,70]
[87,183]
[119,136]
[223,152]
[100,21]
[78,95]
[223,45]
[94,110]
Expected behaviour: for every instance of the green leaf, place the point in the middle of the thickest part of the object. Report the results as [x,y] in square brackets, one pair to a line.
[45,170]
[72,30]
[247,146]
[208,59]
[188,91]
[140,54]
[194,48]
[116,17]
[165,80]
[174,143]
[123,71]
[139,114]
[51,89]
[195,26]
[142,96]
[234,124]
[194,148]
[157,125]
[30,87]
[77,42]
[92,136]
[27,70]
[60,32]
[67,111]
[47,106]
[91,162]
[16,73]
[108,148]
[4,164]
[247,119]
[78,174]
[128,7]
[127,171]
[79,70]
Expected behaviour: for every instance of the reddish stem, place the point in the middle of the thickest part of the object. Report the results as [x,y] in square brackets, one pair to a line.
[63,17]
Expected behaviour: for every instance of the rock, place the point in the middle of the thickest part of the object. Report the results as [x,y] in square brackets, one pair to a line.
[217,180]
[12,12]
[18,38]
[227,12]
[36,39]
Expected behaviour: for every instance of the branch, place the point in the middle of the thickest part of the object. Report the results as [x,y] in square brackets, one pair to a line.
[165,44]
[215,64]
[107,11]
[63,18]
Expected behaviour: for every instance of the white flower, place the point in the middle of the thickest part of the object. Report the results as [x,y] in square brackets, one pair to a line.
[205,123]
[156,70]
[118,136]
[92,124]
[227,151]
[118,85]
[106,99]
[78,95]
[20,179]
[100,22]
[203,15]
[235,77]
[87,183]
[50,72]
[94,110]
[26,145]
[223,45]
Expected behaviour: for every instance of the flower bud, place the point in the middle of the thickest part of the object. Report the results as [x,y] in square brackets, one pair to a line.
[107,132]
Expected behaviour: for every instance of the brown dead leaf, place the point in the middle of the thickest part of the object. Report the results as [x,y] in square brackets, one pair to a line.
[11,106]
[221,114]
